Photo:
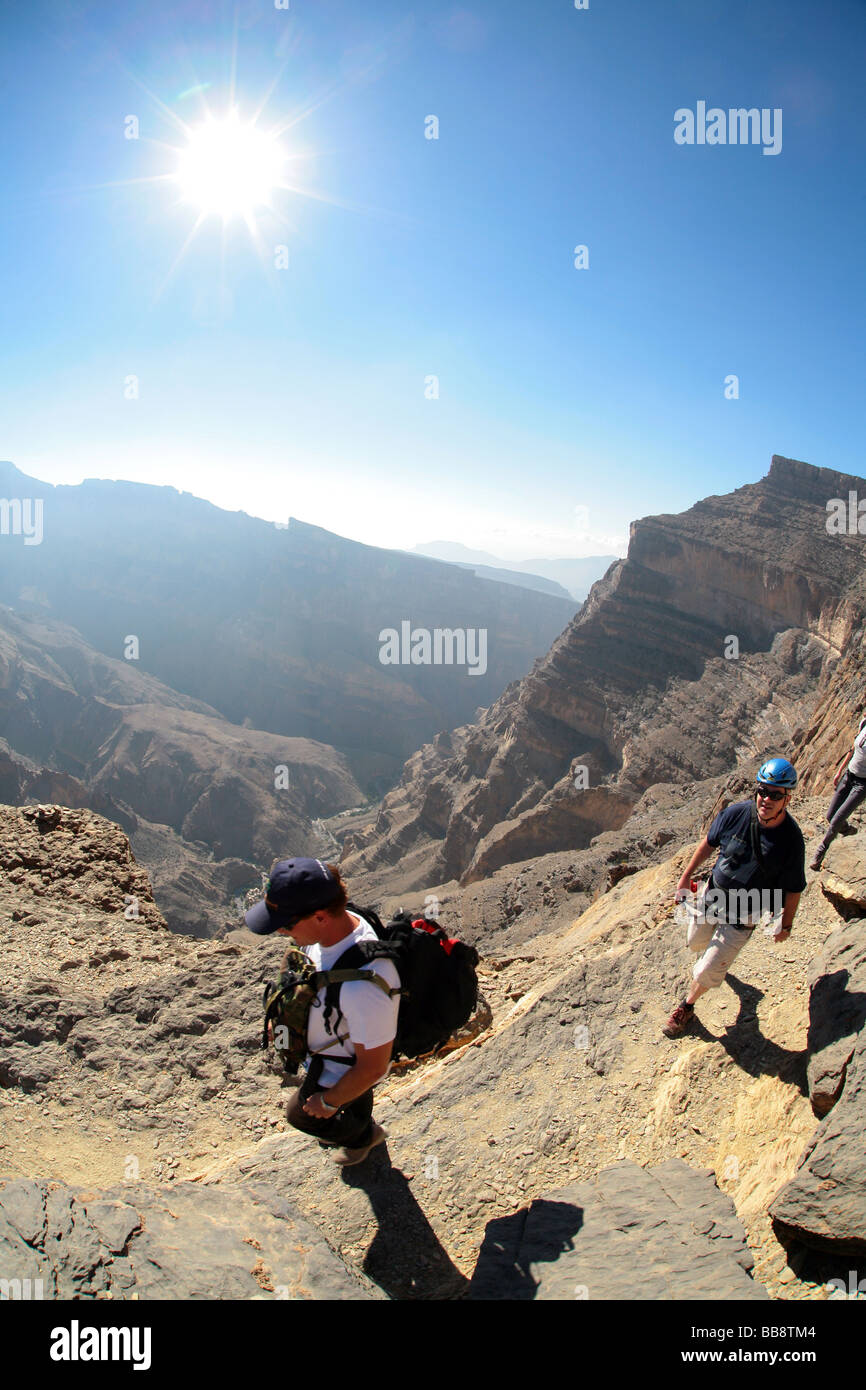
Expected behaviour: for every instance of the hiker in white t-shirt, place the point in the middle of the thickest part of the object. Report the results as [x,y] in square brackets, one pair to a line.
[850,784]
[349,1045]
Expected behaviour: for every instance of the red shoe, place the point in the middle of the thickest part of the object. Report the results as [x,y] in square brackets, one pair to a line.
[679,1021]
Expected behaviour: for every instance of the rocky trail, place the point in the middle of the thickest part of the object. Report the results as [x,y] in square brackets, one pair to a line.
[131,1068]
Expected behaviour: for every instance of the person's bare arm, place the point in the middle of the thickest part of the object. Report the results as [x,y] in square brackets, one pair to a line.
[702,852]
[792,902]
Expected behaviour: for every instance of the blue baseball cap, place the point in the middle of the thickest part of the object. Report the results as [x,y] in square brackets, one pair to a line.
[295,888]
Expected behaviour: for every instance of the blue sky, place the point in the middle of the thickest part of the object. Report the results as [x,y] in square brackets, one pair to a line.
[301,391]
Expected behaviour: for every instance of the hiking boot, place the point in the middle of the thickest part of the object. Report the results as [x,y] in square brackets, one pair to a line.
[346,1158]
[679,1021]
[818,858]
[847,830]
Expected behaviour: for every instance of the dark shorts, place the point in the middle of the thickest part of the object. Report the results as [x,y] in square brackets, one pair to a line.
[352,1126]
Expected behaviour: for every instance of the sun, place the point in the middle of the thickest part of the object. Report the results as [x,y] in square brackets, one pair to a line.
[228,169]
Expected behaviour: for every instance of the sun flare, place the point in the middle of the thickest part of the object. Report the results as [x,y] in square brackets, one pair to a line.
[229,169]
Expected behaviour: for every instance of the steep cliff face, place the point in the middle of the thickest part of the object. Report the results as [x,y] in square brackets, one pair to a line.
[840,706]
[713,641]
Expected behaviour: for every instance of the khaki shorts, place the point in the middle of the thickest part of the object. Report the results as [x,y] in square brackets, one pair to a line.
[719,947]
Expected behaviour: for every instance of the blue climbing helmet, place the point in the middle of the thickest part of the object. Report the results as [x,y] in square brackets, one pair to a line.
[777,772]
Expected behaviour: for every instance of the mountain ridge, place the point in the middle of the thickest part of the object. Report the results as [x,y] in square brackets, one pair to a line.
[639,688]
[277,626]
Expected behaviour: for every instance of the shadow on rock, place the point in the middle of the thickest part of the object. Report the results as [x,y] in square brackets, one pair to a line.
[504,1269]
[757,1055]
[843,1276]
[405,1257]
[834,1011]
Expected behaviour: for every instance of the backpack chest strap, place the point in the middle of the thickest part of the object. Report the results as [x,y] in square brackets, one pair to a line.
[341,977]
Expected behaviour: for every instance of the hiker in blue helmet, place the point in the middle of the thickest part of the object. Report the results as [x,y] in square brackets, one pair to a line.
[850,784]
[760,867]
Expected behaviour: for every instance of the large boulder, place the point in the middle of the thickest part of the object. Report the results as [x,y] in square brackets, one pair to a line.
[844,879]
[837,1011]
[824,1204]
[633,1233]
[189,1242]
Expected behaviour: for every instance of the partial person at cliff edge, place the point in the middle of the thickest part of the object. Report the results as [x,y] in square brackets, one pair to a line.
[850,784]
[348,1054]
[761,866]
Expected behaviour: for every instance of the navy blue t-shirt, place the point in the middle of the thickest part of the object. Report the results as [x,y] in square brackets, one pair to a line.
[783,849]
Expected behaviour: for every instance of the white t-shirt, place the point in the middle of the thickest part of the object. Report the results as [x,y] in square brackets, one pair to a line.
[369,1016]
[857,765]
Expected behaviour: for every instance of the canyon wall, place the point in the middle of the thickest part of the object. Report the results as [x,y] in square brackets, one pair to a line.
[722,637]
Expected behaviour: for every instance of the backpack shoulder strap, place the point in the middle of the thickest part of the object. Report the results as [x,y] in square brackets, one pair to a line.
[755,835]
[371,915]
[341,977]
[756,838]
[348,968]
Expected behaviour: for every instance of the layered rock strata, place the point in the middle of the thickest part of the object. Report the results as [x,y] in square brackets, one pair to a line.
[693,653]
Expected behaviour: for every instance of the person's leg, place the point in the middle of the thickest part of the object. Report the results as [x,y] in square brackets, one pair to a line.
[699,936]
[714,964]
[847,797]
[710,970]
[838,797]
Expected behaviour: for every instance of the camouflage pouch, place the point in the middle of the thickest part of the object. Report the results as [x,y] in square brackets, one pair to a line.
[287,1006]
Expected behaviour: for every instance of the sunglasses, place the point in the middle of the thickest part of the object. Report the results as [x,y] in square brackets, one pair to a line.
[771,793]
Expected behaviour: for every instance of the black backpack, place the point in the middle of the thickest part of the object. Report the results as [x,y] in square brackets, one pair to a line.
[438,981]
